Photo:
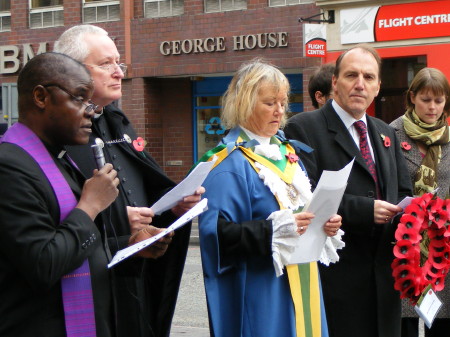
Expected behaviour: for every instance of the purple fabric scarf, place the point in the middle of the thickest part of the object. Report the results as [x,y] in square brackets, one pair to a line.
[76,286]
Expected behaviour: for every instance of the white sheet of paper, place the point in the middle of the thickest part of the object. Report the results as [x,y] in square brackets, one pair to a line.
[324,203]
[188,216]
[405,203]
[407,200]
[428,306]
[186,187]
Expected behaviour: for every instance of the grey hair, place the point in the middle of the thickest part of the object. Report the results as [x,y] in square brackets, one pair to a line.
[72,41]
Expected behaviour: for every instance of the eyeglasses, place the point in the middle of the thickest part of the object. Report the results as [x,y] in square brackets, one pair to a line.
[88,106]
[111,67]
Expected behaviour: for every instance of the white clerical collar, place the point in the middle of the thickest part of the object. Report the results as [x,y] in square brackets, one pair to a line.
[261,140]
[98,114]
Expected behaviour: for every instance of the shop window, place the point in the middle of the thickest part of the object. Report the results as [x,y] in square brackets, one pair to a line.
[8,106]
[46,13]
[163,8]
[212,6]
[209,129]
[5,15]
[208,94]
[100,11]
[277,3]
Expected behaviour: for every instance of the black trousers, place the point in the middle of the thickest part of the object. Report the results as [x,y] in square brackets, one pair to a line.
[439,328]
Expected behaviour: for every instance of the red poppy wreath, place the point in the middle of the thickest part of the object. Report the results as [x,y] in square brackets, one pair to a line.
[422,248]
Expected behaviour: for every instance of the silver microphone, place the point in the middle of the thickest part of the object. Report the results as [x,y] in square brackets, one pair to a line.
[99,157]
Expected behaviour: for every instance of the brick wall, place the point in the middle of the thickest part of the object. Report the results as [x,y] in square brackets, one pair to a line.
[161,108]
[177,125]
[194,24]
[161,112]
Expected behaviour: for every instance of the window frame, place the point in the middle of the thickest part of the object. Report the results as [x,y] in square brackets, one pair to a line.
[101,3]
[5,14]
[159,9]
[221,10]
[45,9]
[300,2]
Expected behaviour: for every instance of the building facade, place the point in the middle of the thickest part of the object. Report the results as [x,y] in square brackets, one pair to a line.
[180,55]
[408,35]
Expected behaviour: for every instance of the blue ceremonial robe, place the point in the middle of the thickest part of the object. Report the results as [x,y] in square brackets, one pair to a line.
[244,296]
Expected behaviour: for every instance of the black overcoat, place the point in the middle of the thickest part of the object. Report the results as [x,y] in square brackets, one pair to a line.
[360,299]
[145,290]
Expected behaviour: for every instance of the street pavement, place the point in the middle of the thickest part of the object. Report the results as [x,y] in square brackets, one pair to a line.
[191,316]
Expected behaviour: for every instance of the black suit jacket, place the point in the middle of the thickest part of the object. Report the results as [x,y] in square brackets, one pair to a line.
[360,299]
[36,251]
[145,290]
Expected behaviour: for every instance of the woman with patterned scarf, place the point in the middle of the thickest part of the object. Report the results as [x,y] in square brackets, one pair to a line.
[424,135]
[256,192]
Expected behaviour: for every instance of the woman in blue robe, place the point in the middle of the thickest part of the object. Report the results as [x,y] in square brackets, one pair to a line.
[256,192]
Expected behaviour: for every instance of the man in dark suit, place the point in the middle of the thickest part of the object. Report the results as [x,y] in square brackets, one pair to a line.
[47,209]
[319,86]
[146,289]
[359,294]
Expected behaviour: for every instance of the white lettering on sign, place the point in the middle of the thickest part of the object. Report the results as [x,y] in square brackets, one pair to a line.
[432,19]
[315,52]
[316,46]
[418,20]
[397,22]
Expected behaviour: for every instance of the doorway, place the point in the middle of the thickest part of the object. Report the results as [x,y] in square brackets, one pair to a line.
[396,76]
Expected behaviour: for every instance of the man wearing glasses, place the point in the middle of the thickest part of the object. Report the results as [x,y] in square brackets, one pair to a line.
[51,250]
[146,289]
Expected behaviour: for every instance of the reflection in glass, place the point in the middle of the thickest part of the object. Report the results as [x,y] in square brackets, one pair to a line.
[45,3]
[5,5]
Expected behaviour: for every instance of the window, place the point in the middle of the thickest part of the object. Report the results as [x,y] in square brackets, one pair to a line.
[163,8]
[5,15]
[100,11]
[208,92]
[212,6]
[46,13]
[277,3]
[9,105]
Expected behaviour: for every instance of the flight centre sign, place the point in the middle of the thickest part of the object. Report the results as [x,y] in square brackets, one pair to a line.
[395,22]
[314,40]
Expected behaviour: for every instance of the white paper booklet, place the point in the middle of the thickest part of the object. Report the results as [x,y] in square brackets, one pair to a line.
[324,203]
[188,216]
[185,188]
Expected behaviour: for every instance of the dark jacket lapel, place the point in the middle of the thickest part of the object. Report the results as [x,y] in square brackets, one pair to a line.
[119,125]
[342,136]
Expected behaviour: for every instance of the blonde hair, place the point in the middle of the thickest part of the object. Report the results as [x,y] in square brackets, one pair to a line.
[240,98]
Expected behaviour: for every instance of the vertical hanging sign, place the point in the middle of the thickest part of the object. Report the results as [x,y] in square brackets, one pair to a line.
[315,40]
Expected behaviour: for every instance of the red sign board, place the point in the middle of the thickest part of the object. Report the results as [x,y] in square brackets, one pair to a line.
[413,21]
[316,48]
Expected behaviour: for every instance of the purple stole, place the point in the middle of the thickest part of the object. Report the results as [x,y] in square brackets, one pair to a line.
[76,286]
